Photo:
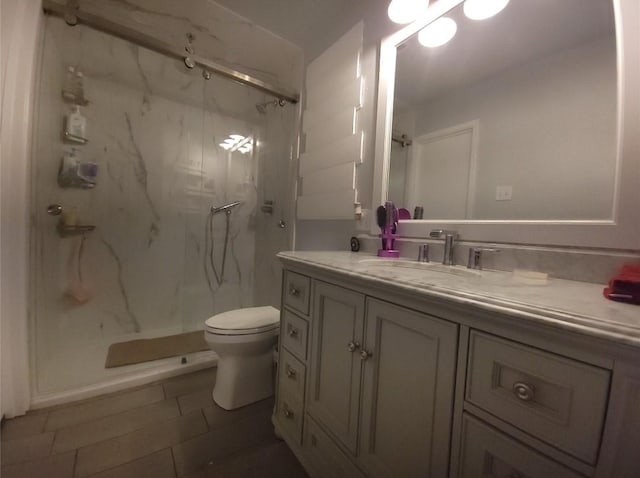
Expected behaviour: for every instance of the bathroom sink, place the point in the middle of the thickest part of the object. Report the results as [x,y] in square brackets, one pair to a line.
[424,266]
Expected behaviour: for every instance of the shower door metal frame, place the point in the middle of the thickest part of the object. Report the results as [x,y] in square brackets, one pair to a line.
[164,48]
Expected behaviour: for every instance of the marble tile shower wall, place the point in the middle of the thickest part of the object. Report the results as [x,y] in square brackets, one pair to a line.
[154,130]
[220,34]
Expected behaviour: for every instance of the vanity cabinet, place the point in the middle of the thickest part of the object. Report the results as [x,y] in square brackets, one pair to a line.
[379,382]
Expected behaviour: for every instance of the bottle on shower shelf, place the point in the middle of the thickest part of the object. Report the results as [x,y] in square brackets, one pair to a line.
[76,126]
[67,89]
[73,88]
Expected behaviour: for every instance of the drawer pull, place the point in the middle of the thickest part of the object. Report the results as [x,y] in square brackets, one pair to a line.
[523,391]
[293,291]
[287,413]
[290,372]
[365,354]
[293,332]
[353,346]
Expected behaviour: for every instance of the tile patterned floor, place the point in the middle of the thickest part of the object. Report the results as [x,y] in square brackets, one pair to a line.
[165,430]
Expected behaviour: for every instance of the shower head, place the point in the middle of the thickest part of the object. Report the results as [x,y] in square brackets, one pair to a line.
[225,208]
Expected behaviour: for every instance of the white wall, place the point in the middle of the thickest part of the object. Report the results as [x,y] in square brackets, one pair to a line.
[548,129]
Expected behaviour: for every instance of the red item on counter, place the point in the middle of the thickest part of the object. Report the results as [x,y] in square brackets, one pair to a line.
[625,285]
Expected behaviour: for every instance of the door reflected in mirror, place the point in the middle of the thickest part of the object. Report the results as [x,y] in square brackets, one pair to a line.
[515,118]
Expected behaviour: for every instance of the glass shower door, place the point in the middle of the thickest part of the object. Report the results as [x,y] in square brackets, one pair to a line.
[136,253]
[125,279]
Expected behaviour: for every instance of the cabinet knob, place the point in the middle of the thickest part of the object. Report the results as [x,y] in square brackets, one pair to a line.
[290,372]
[365,354]
[293,291]
[353,346]
[293,332]
[523,391]
[287,412]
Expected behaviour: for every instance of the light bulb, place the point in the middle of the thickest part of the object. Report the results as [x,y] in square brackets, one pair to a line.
[438,33]
[406,11]
[483,9]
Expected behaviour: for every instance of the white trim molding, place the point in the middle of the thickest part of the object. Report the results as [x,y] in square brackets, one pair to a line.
[21,30]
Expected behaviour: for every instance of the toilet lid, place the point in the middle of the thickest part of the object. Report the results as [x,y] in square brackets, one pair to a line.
[250,320]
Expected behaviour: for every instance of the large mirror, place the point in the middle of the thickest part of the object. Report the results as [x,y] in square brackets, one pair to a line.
[522,128]
[514,118]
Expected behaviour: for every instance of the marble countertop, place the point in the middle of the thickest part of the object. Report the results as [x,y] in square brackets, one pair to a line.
[572,305]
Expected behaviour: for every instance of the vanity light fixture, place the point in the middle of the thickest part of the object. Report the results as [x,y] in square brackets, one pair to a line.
[406,11]
[438,33]
[483,9]
[237,142]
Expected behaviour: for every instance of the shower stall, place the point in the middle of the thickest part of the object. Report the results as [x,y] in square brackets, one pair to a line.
[134,222]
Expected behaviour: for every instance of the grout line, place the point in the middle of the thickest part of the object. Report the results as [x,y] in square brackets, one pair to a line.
[43,429]
[53,440]
[205,419]
[173,460]
[164,390]
[75,464]
[179,407]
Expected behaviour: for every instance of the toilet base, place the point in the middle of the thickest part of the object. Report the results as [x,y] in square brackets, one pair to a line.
[243,380]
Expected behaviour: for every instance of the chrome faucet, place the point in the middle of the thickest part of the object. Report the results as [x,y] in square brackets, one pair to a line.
[475,256]
[423,253]
[449,243]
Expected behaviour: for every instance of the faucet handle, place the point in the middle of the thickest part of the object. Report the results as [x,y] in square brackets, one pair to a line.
[475,256]
[423,253]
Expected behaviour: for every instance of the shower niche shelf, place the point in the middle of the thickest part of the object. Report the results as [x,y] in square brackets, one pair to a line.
[70,99]
[70,138]
[72,231]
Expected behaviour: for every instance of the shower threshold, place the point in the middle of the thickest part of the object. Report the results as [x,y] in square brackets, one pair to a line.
[126,377]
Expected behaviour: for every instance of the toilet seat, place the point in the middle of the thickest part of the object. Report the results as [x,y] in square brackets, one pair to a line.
[247,321]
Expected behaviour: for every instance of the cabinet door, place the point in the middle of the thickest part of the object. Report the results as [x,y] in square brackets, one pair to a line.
[334,386]
[408,386]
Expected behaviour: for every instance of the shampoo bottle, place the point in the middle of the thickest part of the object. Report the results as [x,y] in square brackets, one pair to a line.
[76,124]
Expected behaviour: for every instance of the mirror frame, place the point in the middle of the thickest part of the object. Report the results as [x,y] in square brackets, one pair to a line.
[622,231]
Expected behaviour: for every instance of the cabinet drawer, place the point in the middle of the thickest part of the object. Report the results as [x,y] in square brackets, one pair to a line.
[325,456]
[296,292]
[289,416]
[489,453]
[558,400]
[294,334]
[292,376]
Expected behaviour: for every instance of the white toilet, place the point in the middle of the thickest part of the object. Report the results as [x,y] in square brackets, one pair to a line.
[244,340]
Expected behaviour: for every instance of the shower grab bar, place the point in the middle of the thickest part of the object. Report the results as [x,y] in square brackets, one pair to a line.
[164,48]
